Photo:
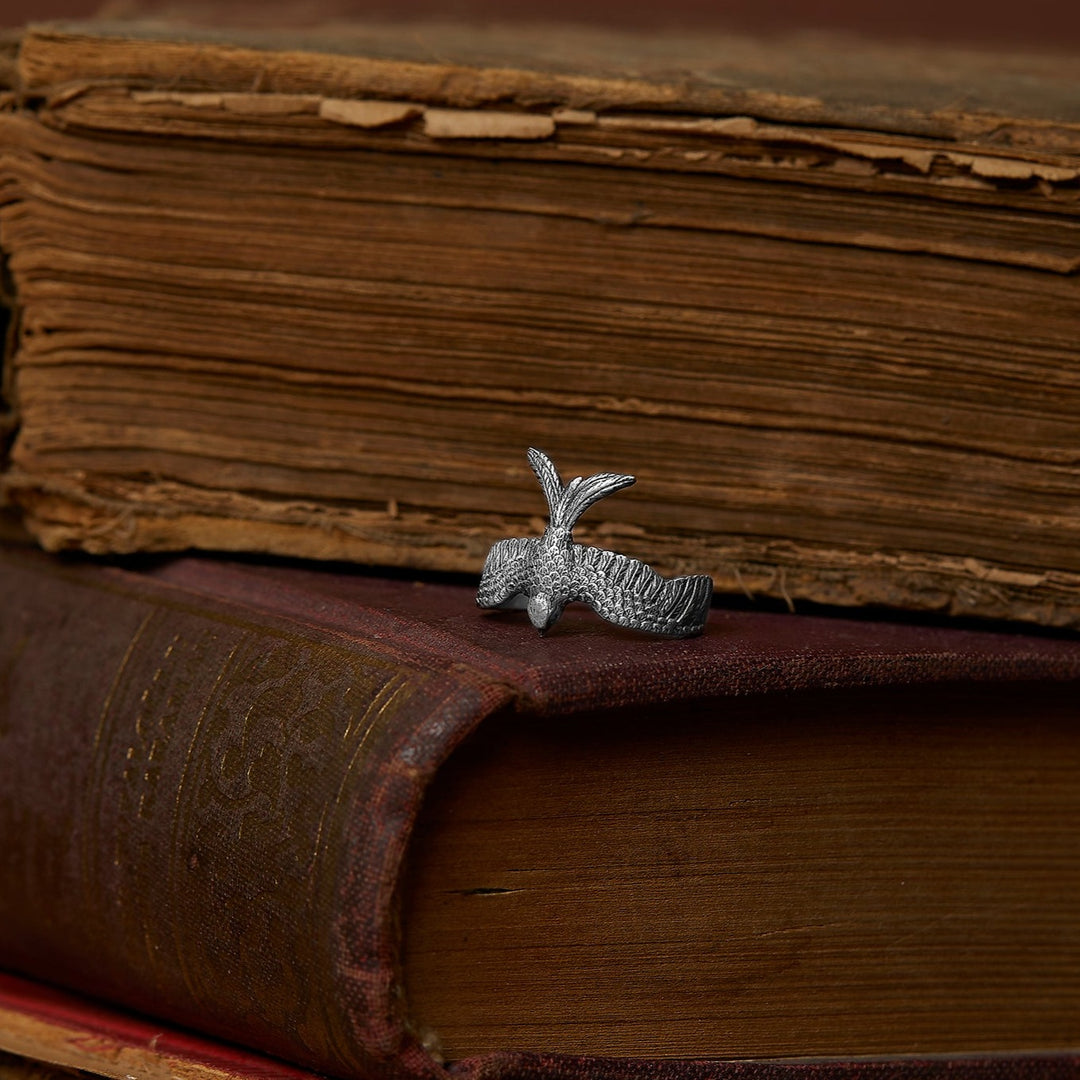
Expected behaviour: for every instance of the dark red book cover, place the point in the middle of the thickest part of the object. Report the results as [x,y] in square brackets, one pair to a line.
[209,772]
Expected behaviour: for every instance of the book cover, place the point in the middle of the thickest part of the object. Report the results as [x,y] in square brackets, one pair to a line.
[211,773]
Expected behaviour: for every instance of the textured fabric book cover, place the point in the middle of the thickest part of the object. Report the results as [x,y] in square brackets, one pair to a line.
[209,773]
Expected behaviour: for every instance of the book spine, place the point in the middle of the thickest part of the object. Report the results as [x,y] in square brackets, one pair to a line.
[203,809]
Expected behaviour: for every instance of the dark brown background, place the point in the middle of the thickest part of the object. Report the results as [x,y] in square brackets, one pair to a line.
[1051,24]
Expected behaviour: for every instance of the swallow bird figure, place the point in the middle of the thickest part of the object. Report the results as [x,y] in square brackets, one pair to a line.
[546,573]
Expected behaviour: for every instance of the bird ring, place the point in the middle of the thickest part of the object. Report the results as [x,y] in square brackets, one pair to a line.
[544,574]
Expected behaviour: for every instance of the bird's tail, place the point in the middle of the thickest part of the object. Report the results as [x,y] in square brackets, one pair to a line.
[567,504]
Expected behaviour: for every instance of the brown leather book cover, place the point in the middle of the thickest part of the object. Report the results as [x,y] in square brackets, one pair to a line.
[209,773]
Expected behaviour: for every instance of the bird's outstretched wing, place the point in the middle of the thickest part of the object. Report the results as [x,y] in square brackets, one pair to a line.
[632,594]
[508,571]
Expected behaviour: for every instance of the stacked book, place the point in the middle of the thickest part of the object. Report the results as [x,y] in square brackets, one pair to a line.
[280,809]
[316,303]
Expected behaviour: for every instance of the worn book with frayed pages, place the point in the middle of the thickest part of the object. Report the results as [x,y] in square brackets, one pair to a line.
[313,295]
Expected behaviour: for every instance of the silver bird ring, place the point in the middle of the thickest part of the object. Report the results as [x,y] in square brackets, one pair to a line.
[544,574]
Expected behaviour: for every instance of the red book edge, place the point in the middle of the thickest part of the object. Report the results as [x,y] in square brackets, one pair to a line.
[54,1026]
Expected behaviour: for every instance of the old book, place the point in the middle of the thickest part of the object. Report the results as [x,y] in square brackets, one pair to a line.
[56,1032]
[46,1032]
[315,297]
[358,825]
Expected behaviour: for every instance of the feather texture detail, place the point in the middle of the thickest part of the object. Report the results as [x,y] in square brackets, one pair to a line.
[546,573]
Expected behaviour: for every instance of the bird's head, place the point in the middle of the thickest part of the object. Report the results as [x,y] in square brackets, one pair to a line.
[543,613]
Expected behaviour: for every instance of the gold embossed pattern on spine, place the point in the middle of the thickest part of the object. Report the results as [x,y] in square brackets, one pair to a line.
[240,747]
